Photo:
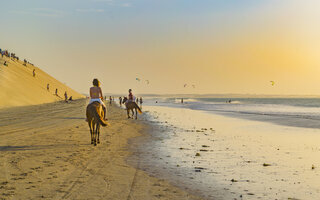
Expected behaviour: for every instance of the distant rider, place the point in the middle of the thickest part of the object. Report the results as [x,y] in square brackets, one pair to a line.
[130,96]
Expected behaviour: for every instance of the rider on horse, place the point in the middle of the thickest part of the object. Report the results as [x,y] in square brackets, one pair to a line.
[97,95]
[131,98]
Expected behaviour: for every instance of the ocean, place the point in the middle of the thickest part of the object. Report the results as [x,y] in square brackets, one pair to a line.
[299,112]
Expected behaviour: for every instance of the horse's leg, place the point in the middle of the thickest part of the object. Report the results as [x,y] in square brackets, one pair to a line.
[136,113]
[132,113]
[98,129]
[91,132]
[128,113]
[94,134]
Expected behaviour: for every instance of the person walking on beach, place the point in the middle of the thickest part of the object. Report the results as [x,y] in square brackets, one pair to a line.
[120,101]
[181,100]
[48,87]
[141,101]
[66,97]
[97,95]
[56,92]
[34,72]
[110,100]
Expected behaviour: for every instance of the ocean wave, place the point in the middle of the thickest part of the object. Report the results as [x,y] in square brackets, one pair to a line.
[178,100]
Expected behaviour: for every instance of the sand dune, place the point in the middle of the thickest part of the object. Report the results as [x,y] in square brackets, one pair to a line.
[19,88]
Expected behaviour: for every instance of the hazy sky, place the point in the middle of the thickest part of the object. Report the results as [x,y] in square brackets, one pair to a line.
[220,46]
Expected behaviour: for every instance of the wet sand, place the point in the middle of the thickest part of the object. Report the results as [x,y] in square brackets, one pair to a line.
[45,153]
[220,157]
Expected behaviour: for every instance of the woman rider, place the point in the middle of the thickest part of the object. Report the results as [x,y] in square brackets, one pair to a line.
[97,95]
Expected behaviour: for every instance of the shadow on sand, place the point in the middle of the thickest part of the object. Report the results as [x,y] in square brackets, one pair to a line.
[38,147]
[74,118]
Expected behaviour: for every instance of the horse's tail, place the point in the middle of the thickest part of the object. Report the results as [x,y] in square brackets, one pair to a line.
[100,119]
[139,110]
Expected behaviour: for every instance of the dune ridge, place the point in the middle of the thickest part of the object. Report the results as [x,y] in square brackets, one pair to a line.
[19,87]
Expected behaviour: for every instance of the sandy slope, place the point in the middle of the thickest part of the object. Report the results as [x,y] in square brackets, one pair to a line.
[45,153]
[18,86]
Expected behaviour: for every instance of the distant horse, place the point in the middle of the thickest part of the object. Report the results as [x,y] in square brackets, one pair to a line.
[95,117]
[131,105]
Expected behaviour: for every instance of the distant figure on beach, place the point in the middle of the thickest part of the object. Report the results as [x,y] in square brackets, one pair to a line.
[137,101]
[48,87]
[96,95]
[70,99]
[66,97]
[181,100]
[34,73]
[56,93]
[110,100]
[141,101]
[120,101]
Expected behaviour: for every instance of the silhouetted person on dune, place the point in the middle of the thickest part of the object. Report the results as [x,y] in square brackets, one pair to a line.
[66,97]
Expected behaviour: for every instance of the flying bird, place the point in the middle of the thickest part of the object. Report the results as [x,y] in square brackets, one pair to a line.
[272,83]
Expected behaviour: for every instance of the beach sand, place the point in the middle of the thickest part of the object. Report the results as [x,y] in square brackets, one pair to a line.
[45,153]
[19,88]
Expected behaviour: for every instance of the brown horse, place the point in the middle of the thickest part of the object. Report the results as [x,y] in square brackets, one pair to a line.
[130,105]
[95,117]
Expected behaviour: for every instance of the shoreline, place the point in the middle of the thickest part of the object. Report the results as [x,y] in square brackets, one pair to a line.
[46,154]
[155,169]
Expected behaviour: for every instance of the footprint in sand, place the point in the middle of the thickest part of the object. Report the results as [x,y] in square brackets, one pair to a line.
[158,195]
[17,178]
[8,191]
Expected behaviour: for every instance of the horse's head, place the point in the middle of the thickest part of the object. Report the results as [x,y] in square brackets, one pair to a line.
[124,100]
